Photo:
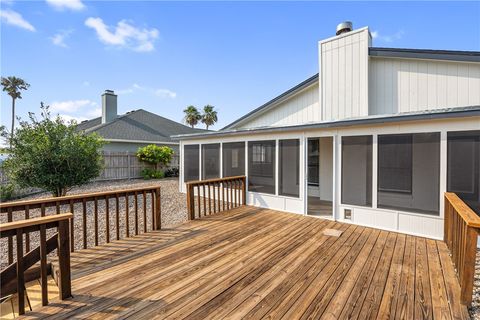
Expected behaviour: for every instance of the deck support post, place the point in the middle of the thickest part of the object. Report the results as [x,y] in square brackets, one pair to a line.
[64,279]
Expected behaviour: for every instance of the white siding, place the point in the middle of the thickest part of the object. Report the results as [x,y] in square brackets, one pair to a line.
[408,85]
[301,108]
[344,75]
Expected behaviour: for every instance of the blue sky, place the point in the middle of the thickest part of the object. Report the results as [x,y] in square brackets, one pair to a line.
[163,56]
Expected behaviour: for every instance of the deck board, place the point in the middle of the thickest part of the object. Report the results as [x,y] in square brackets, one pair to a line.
[257,263]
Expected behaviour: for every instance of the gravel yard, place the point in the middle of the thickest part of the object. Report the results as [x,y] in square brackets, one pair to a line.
[173,211]
[475,308]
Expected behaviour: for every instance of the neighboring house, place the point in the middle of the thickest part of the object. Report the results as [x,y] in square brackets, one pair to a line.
[375,138]
[137,128]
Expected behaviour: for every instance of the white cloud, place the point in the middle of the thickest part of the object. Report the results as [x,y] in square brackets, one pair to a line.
[68,118]
[71,106]
[59,38]
[387,38]
[160,92]
[165,93]
[124,35]
[94,113]
[75,5]
[15,19]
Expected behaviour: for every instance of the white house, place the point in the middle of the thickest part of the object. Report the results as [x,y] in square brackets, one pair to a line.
[375,138]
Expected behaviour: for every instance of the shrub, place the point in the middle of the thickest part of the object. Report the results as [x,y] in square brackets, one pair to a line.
[171,172]
[149,173]
[6,191]
[155,155]
[52,155]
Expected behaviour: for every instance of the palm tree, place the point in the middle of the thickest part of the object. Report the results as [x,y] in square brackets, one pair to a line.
[209,116]
[192,116]
[13,86]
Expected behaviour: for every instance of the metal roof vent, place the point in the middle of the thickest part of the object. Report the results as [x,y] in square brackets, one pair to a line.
[343,27]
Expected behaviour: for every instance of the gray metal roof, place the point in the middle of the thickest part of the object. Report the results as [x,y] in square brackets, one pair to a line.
[450,55]
[138,125]
[458,112]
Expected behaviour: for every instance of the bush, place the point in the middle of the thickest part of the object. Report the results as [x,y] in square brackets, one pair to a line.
[172,172]
[155,155]
[6,191]
[149,173]
[52,155]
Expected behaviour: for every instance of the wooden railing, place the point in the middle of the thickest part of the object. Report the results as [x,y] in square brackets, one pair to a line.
[89,203]
[461,229]
[216,195]
[14,277]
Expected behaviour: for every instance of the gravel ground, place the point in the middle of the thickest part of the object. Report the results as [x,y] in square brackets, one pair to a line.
[475,308]
[173,211]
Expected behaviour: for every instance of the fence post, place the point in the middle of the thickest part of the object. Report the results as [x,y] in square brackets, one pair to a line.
[468,273]
[128,164]
[64,279]
[158,210]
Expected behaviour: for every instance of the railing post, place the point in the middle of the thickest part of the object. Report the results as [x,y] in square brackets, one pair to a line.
[20,273]
[468,274]
[158,216]
[244,191]
[190,202]
[64,277]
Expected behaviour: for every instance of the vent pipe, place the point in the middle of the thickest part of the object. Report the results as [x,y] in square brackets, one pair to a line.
[344,27]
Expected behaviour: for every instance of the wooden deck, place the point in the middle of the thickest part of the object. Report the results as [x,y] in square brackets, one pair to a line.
[255,263]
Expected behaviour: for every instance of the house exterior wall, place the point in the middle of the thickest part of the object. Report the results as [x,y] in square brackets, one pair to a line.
[301,108]
[130,147]
[389,219]
[410,85]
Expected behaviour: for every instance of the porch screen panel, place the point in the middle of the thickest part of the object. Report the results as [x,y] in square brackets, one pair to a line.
[409,172]
[191,166]
[357,170]
[463,167]
[261,166]
[289,167]
[210,161]
[233,159]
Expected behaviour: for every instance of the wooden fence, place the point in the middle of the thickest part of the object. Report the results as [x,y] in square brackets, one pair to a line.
[216,195]
[461,229]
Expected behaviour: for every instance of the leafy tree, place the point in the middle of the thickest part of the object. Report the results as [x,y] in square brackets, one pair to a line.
[13,86]
[192,116]
[155,155]
[52,155]
[209,116]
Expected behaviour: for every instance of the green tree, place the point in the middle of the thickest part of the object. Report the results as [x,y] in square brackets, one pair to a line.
[13,86]
[192,116]
[155,155]
[52,155]
[209,116]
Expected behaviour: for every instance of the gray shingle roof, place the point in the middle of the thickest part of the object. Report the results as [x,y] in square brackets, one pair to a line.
[138,125]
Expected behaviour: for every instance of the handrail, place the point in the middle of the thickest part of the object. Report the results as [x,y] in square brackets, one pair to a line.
[461,230]
[59,241]
[32,222]
[220,194]
[36,203]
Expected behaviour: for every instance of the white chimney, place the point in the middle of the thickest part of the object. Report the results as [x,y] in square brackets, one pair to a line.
[109,106]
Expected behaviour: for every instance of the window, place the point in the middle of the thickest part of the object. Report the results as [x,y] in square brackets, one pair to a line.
[463,167]
[233,159]
[313,162]
[261,166]
[289,167]
[409,172]
[395,163]
[357,170]
[210,161]
[191,166]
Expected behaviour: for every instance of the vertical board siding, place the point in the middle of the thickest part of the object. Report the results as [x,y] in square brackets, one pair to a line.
[301,108]
[402,85]
[344,76]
